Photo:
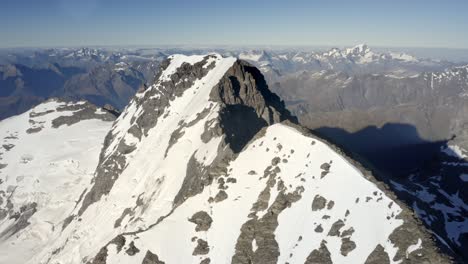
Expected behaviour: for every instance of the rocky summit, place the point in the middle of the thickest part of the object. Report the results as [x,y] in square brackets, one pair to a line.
[206,165]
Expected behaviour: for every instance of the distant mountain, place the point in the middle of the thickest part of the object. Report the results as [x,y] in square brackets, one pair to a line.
[356,60]
[91,67]
[434,102]
[22,87]
[398,125]
[94,77]
[206,165]
[109,84]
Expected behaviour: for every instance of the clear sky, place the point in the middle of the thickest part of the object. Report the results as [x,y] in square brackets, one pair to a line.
[399,23]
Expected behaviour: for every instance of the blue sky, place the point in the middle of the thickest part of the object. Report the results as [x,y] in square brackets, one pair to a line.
[398,23]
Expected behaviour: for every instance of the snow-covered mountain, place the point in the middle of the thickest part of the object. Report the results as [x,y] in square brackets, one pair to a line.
[85,73]
[47,158]
[359,59]
[207,166]
[456,76]
[359,54]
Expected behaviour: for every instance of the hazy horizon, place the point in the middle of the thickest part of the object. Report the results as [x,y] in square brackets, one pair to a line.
[449,54]
[58,23]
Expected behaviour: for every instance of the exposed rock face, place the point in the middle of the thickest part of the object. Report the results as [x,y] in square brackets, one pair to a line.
[241,192]
[132,250]
[318,203]
[321,255]
[249,104]
[377,256]
[335,229]
[261,230]
[347,245]
[20,218]
[243,84]
[203,221]
[81,112]
[202,248]
[151,258]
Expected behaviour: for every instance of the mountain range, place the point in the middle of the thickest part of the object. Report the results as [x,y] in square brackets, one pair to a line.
[250,186]
[403,118]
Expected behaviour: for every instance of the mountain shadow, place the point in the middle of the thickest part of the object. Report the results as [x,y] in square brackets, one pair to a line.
[392,149]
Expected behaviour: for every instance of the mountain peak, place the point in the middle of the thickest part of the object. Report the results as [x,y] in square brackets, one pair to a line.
[255,55]
[209,148]
[189,89]
[360,49]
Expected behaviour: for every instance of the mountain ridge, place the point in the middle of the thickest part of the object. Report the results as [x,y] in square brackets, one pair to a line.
[208,166]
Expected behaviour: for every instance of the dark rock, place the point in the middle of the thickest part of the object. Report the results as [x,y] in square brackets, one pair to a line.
[81,112]
[8,147]
[262,230]
[347,232]
[323,174]
[203,221]
[378,256]
[67,221]
[231,180]
[3,214]
[132,250]
[119,242]
[347,246]
[109,108]
[221,196]
[197,176]
[319,256]
[318,229]
[118,221]
[34,114]
[335,229]
[244,84]
[206,261]
[275,161]
[325,166]
[21,219]
[202,248]
[318,203]
[101,257]
[151,258]
[33,130]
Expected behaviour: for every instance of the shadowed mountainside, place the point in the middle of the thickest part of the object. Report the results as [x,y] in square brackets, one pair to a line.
[394,148]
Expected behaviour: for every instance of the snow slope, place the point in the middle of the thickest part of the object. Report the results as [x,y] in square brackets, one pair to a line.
[299,173]
[207,166]
[43,172]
